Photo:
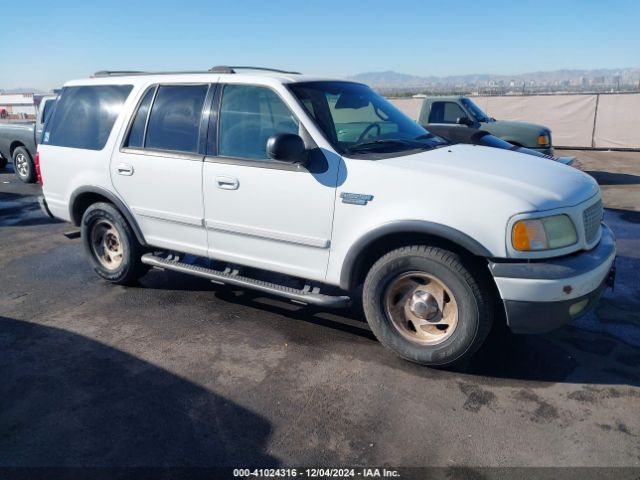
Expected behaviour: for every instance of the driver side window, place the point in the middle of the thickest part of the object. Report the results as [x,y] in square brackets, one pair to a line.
[249,115]
[445,112]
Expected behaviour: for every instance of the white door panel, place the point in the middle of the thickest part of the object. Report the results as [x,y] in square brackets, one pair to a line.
[274,219]
[164,194]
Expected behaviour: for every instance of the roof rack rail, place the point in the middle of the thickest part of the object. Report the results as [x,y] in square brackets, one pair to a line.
[232,69]
[115,73]
[217,69]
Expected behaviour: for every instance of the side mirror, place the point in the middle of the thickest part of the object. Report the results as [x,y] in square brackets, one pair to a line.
[286,147]
[463,121]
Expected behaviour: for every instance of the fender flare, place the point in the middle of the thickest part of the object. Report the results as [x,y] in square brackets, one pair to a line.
[113,199]
[405,226]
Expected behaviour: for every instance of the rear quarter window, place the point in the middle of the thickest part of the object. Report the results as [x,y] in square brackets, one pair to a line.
[84,116]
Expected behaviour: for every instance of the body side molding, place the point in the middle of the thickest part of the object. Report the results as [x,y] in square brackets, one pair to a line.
[267,234]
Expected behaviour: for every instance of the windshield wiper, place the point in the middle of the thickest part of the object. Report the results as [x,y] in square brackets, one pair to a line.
[373,143]
[425,136]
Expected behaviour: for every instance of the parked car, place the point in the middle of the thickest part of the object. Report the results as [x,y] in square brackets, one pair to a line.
[328,185]
[18,141]
[470,136]
[461,111]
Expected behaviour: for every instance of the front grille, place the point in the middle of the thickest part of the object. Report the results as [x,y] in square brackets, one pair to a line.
[591,218]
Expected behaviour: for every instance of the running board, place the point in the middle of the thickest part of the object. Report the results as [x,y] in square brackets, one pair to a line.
[307,295]
[72,234]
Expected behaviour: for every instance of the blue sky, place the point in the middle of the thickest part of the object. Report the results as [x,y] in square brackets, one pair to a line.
[56,40]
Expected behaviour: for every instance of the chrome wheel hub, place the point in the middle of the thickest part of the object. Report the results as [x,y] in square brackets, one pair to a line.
[424,305]
[106,245]
[21,165]
[421,308]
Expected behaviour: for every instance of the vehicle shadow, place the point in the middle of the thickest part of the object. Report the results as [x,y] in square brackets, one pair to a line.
[569,355]
[69,401]
[19,210]
[346,320]
[614,178]
[630,216]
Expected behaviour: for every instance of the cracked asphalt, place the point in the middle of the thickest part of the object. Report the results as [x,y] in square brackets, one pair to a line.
[177,371]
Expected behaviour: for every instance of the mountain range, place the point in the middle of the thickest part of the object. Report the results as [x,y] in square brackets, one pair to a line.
[391,79]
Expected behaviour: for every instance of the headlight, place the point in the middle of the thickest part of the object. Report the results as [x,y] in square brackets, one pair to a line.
[544,140]
[543,233]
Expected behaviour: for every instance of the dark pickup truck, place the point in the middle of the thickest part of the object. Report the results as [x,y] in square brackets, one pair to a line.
[19,140]
[461,112]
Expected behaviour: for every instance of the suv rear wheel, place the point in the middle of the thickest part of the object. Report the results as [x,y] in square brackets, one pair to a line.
[23,165]
[111,245]
[427,306]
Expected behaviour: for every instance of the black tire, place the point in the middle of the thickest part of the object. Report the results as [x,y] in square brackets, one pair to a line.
[3,163]
[23,165]
[102,223]
[472,302]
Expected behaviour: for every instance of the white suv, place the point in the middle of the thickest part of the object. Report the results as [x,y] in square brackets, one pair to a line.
[233,171]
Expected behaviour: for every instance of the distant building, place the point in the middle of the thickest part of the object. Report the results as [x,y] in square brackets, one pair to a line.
[19,105]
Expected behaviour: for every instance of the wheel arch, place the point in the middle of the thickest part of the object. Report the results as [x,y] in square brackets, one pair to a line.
[16,144]
[84,197]
[371,246]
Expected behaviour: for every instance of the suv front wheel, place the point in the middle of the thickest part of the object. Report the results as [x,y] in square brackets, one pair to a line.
[426,305]
[111,245]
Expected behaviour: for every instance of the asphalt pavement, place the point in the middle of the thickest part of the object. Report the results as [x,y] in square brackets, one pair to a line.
[176,371]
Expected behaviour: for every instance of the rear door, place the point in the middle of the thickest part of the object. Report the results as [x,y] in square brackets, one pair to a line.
[158,168]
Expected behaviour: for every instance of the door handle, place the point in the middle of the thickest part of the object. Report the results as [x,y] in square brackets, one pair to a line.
[227,183]
[124,169]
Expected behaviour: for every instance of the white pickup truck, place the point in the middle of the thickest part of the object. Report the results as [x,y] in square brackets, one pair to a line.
[327,184]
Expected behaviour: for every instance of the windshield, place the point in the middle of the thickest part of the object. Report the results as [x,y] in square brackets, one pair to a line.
[476,111]
[356,120]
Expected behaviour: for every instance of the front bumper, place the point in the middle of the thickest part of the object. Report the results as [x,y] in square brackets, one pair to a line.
[539,296]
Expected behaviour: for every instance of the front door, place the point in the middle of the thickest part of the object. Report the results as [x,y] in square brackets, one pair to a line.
[261,212]
[158,171]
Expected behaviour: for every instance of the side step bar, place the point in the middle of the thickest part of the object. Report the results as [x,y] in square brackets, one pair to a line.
[307,295]
[72,234]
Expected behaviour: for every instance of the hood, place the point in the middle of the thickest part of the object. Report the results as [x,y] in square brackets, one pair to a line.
[526,134]
[541,184]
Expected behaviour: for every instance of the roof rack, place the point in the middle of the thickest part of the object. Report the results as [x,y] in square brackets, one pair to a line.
[115,73]
[216,69]
[229,69]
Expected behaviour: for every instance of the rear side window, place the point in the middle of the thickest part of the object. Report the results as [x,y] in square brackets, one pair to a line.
[174,122]
[84,116]
[136,134]
[445,112]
